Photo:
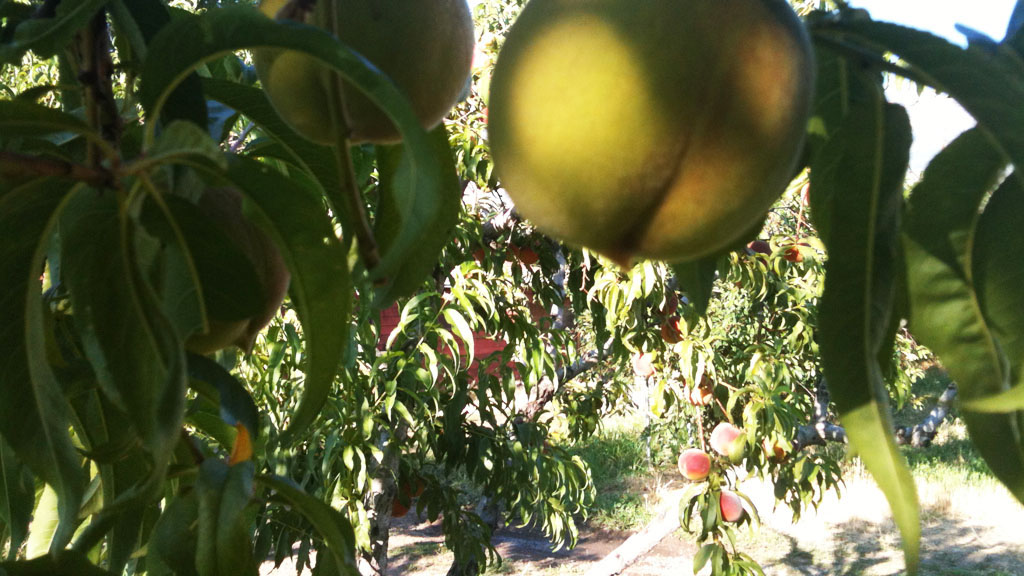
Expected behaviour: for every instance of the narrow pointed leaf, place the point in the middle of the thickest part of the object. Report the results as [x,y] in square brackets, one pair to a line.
[253,103]
[63,563]
[988,84]
[697,279]
[190,41]
[48,36]
[998,275]
[224,544]
[33,411]
[871,151]
[17,497]
[414,224]
[133,348]
[329,523]
[320,284]
[182,143]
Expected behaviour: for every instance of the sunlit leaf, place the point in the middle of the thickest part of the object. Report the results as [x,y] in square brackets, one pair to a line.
[940,241]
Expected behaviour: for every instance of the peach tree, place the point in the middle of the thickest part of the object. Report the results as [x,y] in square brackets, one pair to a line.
[168,170]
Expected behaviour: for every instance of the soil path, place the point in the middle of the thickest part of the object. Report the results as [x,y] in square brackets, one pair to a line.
[964,531]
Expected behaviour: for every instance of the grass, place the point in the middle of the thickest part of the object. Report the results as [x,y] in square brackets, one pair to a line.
[618,463]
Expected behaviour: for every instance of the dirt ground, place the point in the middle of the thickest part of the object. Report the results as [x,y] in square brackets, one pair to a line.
[965,531]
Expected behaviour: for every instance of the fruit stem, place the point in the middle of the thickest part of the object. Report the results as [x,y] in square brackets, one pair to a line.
[700,429]
[356,208]
[353,197]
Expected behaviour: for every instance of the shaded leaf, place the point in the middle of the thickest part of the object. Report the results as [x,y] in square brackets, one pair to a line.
[320,286]
[871,150]
[48,36]
[236,405]
[149,17]
[133,348]
[173,542]
[696,279]
[224,544]
[17,497]
[253,103]
[33,411]
[182,143]
[329,523]
[997,266]
[987,84]
[939,241]
[413,223]
[62,563]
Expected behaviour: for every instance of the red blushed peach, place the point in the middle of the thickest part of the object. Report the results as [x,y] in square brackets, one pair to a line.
[694,464]
[670,331]
[727,440]
[731,506]
[643,364]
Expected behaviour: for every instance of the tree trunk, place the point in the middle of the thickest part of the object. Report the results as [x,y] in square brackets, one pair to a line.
[379,501]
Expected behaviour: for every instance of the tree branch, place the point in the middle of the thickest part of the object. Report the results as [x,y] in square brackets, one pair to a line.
[14,165]
[821,431]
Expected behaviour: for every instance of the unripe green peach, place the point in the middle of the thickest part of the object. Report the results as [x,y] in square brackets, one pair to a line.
[223,206]
[660,129]
[425,47]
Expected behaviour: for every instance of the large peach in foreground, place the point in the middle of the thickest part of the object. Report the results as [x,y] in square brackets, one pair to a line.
[660,129]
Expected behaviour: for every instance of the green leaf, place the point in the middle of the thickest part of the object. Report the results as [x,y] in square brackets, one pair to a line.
[940,240]
[45,523]
[700,559]
[696,279]
[33,411]
[224,544]
[17,497]
[871,150]
[329,523]
[149,17]
[320,285]
[458,321]
[998,273]
[231,288]
[988,84]
[62,563]
[192,40]
[48,36]
[134,350]
[173,542]
[236,405]
[182,143]
[253,103]
[23,118]
[414,222]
